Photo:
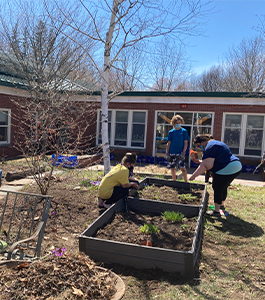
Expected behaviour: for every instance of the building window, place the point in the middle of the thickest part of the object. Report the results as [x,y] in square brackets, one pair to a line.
[244,134]
[195,123]
[121,127]
[4,126]
[233,132]
[125,128]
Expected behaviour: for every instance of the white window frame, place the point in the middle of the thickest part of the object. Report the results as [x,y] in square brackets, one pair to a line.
[129,128]
[185,125]
[8,126]
[243,129]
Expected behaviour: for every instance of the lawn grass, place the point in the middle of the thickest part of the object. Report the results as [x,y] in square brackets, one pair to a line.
[233,262]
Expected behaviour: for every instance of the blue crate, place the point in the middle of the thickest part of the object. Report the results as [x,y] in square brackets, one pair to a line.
[65,161]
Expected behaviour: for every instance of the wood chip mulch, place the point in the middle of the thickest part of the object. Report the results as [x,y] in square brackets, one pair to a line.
[52,277]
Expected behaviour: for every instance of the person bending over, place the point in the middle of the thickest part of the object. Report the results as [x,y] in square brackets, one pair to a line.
[222,163]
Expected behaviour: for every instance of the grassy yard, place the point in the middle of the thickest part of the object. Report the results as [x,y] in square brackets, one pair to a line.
[233,261]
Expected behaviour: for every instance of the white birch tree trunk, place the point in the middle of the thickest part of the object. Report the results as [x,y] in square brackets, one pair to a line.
[105,85]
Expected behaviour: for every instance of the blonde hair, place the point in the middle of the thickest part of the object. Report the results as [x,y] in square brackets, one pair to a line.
[175,119]
[129,158]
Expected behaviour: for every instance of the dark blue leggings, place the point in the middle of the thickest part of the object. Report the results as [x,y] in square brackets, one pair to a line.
[220,185]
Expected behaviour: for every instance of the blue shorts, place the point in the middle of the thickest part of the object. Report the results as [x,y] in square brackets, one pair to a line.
[175,162]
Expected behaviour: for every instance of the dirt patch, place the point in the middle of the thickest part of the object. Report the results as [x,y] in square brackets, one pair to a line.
[170,194]
[228,270]
[126,227]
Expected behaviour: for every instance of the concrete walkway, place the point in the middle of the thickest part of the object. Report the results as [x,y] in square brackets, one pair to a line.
[243,178]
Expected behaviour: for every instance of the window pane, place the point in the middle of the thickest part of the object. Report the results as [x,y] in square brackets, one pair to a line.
[186,116]
[138,133]
[202,119]
[3,134]
[232,137]
[139,117]
[122,116]
[161,138]
[254,139]
[255,122]
[164,117]
[252,152]
[233,121]
[3,118]
[200,130]
[121,134]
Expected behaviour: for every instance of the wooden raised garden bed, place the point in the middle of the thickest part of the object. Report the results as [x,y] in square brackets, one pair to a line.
[183,193]
[141,256]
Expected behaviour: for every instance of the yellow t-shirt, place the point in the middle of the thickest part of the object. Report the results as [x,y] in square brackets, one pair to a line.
[117,176]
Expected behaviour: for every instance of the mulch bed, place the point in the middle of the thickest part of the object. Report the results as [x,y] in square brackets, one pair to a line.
[66,277]
[125,228]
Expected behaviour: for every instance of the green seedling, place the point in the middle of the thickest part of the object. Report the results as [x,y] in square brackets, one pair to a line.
[185,227]
[172,216]
[187,197]
[149,229]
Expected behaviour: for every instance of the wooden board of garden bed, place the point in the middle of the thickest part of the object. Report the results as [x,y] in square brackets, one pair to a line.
[126,228]
[126,253]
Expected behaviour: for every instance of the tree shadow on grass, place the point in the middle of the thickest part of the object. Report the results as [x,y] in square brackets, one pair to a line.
[237,227]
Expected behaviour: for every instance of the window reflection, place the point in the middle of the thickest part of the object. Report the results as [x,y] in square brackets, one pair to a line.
[232,137]
[202,119]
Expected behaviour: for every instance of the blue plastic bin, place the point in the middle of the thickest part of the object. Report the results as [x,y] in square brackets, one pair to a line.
[144,159]
[65,161]
[248,169]
[159,160]
[139,158]
[151,159]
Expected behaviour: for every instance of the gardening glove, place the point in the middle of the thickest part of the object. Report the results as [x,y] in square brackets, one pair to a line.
[182,156]
[168,157]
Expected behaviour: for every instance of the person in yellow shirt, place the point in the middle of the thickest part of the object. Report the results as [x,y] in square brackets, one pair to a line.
[115,185]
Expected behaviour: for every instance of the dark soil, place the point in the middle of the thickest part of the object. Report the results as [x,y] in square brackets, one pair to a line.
[125,228]
[170,194]
[74,208]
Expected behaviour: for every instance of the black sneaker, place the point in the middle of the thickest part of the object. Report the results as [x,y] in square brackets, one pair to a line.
[222,207]
[213,213]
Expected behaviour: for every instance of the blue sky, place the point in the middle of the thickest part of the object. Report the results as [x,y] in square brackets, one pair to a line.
[232,21]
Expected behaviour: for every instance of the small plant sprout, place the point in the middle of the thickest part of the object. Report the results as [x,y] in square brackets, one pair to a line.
[172,216]
[149,229]
[185,227]
[187,197]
